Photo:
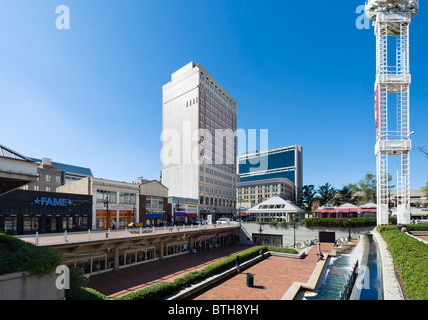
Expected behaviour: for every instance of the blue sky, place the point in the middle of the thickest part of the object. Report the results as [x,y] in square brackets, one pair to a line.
[92,95]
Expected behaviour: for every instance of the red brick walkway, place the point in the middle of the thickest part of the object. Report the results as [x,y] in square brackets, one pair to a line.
[126,280]
[272,278]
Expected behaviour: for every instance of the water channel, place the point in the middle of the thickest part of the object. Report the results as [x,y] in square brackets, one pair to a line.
[337,270]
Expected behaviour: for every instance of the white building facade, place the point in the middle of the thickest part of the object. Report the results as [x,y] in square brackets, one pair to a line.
[198,141]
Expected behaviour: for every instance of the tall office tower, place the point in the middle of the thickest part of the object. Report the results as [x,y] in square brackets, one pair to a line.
[199,141]
[392,20]
[271,171]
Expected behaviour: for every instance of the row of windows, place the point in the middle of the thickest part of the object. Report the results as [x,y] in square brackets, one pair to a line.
[37,188]
[48,178]
[111,196]
[211,201]
[226,193]
[216,93]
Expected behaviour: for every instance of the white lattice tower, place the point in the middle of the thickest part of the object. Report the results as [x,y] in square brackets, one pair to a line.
[391,20]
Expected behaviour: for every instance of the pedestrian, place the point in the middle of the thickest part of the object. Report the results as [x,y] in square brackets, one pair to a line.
[237,262]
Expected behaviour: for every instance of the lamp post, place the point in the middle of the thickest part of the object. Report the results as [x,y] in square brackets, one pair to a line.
[294,230]
[106,205]
[349,225]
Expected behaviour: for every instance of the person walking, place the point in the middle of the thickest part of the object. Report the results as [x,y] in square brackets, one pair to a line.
[237,263]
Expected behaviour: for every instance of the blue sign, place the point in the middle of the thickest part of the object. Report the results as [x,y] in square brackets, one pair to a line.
[54,202]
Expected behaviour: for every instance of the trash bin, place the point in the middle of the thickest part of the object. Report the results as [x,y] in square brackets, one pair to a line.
[250,279]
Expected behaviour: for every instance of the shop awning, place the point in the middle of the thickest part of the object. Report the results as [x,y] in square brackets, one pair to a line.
[206,236]
[192,215]
[180,214]
[154,215]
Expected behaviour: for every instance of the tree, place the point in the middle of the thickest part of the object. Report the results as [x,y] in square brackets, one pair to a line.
[308,196]
[425,190]
[423,150]
[346,195]
[326,193]
[368,187]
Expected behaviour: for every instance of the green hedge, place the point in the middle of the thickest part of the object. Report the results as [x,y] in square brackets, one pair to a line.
[164,289]
[24,256]
[411,259]
[417,227]
[340,222]
[282,250]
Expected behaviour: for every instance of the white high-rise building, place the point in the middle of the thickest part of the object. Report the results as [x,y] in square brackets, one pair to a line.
[199,142]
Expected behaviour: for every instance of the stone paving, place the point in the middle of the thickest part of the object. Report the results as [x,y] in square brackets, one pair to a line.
[273,276]
[116,283]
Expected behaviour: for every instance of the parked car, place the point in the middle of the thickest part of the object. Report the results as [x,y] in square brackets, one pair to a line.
[223,221]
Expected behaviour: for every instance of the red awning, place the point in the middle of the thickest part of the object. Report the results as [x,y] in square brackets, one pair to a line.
[192,215]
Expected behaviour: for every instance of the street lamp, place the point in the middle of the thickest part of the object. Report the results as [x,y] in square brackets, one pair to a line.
[106,205]
[349,225]
[294,230]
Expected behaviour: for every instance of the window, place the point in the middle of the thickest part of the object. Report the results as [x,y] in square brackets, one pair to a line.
[58,179]
[48,178]
[127,198]
[103,195]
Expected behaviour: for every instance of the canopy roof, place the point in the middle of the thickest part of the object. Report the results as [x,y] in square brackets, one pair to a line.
[277,204]
[347,207]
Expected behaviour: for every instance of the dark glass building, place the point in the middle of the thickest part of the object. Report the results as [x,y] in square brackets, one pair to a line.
[286,162]
[28,212]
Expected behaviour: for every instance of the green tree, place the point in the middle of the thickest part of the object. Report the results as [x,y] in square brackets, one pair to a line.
[425,190]
[326,193]
[308,196]
[368,187]
[346,195]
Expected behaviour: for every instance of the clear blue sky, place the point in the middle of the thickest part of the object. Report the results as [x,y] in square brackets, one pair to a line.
[92,95]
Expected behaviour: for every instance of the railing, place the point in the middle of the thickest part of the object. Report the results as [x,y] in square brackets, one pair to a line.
[349,286]
[75,237]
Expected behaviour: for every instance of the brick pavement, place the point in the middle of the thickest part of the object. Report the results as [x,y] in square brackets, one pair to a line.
[273,276]
[126,280]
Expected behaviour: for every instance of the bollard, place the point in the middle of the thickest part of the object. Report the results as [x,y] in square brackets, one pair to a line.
[141,230]
[65,236]
[153,229]
[37,239]
[126,232]
[89,234]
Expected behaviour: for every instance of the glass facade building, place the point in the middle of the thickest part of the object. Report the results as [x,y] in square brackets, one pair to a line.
[283,162]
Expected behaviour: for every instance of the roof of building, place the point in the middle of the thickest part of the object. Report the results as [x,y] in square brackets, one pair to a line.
[9,153]
[277,204]
[69,168]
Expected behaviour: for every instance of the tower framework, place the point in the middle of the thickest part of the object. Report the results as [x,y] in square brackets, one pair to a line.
[391,20]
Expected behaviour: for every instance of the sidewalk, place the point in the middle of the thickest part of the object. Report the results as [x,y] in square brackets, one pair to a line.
[117,283]
[272,278]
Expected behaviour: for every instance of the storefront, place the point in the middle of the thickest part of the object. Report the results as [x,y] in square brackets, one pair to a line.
[28,212]
[184,210]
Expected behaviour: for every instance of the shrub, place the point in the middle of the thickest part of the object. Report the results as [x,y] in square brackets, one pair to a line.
[164,289]
[282,250]
[340,222]
[411,259]
[24,256]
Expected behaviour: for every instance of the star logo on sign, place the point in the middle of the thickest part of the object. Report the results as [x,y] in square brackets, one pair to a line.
[36,201]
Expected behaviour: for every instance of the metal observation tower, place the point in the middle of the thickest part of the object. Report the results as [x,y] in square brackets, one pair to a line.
[391,20]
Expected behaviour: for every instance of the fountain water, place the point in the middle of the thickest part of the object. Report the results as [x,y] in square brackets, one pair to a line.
[336,273]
